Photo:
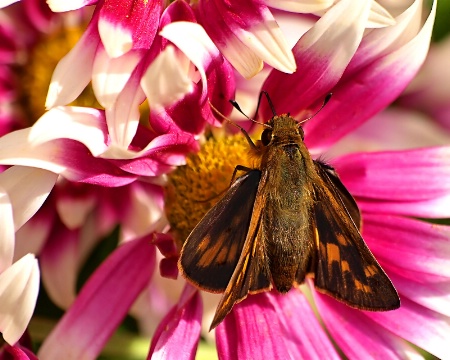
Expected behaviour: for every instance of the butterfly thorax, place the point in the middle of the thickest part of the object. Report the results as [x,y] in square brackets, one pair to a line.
[286,219]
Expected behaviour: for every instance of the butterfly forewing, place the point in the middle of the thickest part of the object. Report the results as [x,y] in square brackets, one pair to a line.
[345,268]
[211,252]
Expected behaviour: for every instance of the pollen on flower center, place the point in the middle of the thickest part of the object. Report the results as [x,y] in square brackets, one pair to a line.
[194,188]
[36,73]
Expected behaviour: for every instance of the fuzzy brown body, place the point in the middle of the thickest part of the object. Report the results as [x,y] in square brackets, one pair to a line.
[289,217]
[285,186]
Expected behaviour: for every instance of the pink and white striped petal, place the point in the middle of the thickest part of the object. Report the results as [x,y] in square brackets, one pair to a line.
[246,44]
[320,65]
[5,3]
[102,303]
[390,55]
[74,71]
[178,333]
[64,5]
[19,287]
[358,336]
[125,24]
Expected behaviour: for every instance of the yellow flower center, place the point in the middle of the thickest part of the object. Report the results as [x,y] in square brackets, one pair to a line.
[194,188]
[36,74]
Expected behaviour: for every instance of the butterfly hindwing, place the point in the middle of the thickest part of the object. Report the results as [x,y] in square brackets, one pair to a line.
[211,252]
[344,266]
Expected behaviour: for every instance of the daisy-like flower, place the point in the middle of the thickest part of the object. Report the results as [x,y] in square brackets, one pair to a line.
[109,148]
[389,187]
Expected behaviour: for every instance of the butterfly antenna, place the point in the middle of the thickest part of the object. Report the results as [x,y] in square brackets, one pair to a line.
[247,136]
[263,92]
[325,101]
[238,108]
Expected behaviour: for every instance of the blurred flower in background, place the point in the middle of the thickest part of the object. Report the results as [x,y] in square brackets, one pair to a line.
[127,87]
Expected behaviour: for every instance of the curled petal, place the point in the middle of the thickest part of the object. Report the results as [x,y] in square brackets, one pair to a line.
[246,43]
[102,303]
[19,287]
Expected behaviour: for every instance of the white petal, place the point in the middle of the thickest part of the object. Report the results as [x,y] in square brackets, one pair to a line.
[194,42]
[6,231]
[116,39]
[166,79]
[5,3]
[300,6]
[19,287]
[73,72]
[111,74]
[268,42]
[27,189]
[76,123]
[74,211]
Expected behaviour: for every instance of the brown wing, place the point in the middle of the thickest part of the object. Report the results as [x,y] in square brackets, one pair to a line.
[344,266]
[211,252]
[331,178]
[251,275]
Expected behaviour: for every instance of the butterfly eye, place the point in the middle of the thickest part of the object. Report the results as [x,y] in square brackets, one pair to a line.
[266,136]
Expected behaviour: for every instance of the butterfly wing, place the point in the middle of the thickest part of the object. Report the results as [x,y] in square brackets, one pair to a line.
[211,252]
[344,267]
[331,178]
[252,273]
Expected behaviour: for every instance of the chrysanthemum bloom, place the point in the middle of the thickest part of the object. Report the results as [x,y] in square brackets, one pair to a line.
[89,145]
[391,188]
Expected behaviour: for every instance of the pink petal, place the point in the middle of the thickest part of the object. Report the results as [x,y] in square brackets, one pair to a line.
[252,331]
[60,260]
[377,62]
[394,180]
[126,25]
[303,333]
[320,64]
[408,243]
[418,325]
[178,333]
[102,303]
[359,337]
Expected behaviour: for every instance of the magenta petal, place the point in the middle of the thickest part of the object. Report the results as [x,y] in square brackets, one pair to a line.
[409,244]
[252,331]
[304,336]
[409,176]
[357,335]
[178,333]
[418,325]
[102,303]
